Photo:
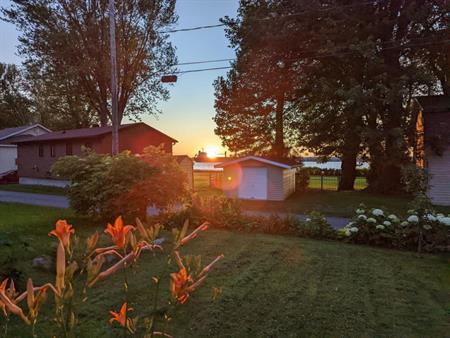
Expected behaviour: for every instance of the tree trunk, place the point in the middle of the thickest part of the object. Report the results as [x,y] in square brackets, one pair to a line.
[348,166]
[279,149]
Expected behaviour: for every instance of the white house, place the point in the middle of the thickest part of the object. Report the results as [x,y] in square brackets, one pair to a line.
[433,144]
[8,150]
[258,178]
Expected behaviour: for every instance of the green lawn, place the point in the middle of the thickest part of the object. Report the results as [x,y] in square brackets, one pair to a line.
[331,183]
[273,286]
[343,203]
[37,189]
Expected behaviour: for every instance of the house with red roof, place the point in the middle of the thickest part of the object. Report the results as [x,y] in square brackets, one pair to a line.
[36,155]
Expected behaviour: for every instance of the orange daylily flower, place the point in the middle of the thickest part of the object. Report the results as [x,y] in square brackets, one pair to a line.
[118,232]
[62,231]
[181,284]
[9,301]
[3,289]
[178,285]
[122,318]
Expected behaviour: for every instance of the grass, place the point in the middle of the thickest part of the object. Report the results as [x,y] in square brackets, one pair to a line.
[342,203]
[331,183]
[37,189]
[272,285]
[335,203]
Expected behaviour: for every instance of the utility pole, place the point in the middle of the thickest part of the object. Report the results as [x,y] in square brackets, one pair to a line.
[114,114]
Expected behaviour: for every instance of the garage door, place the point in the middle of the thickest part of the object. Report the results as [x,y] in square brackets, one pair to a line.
[253,183]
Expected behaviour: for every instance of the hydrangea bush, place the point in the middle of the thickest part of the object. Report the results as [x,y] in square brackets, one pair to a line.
[421,228]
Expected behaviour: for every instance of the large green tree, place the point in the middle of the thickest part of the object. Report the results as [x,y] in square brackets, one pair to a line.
[66,44]
[253,102]
[355,65]
[14,103]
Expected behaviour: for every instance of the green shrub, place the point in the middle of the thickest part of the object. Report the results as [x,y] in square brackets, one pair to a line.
[315,226]
[414,179]
[301,180]
[422,230]
[107,186]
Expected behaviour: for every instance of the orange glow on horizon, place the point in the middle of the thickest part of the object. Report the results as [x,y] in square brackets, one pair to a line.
[212,151]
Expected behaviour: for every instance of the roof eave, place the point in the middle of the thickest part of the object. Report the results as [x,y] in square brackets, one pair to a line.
[255,158]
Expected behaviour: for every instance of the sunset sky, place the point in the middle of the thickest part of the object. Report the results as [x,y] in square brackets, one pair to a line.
[187,116]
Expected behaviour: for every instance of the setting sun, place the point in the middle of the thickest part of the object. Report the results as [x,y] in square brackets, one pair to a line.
[212,151]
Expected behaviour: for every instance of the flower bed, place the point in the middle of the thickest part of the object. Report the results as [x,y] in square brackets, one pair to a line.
[426,230]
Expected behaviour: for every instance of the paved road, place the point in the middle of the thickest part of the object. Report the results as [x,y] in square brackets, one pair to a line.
[63,202]
[34,199]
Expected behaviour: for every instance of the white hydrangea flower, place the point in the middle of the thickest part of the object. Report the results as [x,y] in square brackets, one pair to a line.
[380,227]
[427,227]
[411,211]
[413,219]
[354,229]
[445,220]
[360,211]
[308,220]
[347,232]
[371,220]
[393,218]
[387,223]
[431,217]
[362,217]
[349,225]
[377,212]
[404,224]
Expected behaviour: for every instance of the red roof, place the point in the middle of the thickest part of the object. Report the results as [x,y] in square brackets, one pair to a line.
[83,133]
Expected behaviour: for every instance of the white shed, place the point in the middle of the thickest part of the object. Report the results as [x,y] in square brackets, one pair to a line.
[258,178]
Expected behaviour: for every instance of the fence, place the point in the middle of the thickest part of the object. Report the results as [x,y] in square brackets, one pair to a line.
[203,180]
[323,182]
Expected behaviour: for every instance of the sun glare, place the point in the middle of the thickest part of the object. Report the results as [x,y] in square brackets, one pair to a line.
[212,151]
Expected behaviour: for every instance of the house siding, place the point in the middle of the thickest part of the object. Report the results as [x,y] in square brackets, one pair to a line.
[134,139]
[288,182]
[439,183]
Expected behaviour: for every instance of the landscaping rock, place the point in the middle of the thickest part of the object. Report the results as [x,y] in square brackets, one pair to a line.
[42,263]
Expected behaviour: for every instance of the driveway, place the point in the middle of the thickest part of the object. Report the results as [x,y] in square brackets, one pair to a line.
[34,199]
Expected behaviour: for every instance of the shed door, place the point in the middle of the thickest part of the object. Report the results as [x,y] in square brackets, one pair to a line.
[253,183]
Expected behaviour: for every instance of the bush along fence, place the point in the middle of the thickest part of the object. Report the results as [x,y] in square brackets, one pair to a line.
[421,230]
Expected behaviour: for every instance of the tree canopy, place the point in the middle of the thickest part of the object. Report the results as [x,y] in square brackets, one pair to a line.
[351,68]
[65,45]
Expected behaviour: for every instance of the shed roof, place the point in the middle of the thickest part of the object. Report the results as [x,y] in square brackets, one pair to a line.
[281,163]
[434,103]
[84,133]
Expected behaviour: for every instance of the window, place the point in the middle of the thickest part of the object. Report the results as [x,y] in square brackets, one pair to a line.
[52,150]
[41,150]
[69,150]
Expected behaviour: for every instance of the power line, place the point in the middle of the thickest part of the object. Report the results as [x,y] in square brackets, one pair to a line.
[311,55]
[195,28]
[200,62]
[200,70]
